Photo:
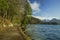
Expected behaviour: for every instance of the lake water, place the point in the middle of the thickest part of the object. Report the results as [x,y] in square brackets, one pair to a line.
[43,32]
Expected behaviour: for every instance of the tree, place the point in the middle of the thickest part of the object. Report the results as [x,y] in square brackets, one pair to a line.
[27,15]
[4,5]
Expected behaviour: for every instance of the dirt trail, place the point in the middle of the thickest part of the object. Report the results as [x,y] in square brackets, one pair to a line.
[11,33]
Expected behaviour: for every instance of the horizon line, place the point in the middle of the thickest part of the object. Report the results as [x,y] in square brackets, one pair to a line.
[42,18]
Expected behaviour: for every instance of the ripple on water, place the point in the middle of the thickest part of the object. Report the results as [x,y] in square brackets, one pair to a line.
[44,32]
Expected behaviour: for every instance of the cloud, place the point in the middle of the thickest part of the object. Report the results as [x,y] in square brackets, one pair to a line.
[42,18]
[35,7]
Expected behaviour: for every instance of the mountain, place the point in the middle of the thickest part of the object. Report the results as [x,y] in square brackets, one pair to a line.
[34,20]
[54,20]
[45,20]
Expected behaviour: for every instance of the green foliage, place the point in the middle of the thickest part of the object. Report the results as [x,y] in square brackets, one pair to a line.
[3,7]
[12,12]
[15,11]
[4,4]
[28,12]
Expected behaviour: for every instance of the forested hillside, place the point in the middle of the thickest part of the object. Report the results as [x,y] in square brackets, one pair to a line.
[14,16]
[34,20]
[14,11]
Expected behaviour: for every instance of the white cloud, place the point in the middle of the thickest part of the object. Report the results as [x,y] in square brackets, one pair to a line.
[42,18]
[35,7]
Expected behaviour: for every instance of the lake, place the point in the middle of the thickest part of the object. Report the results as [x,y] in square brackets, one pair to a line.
[43,32]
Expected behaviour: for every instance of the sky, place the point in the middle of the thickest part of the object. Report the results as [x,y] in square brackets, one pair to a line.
[45,9]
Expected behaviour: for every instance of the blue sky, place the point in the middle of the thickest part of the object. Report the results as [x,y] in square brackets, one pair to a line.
[45,8]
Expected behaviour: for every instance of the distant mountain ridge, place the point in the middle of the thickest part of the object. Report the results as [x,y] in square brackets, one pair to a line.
[34,20]
[45,21]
